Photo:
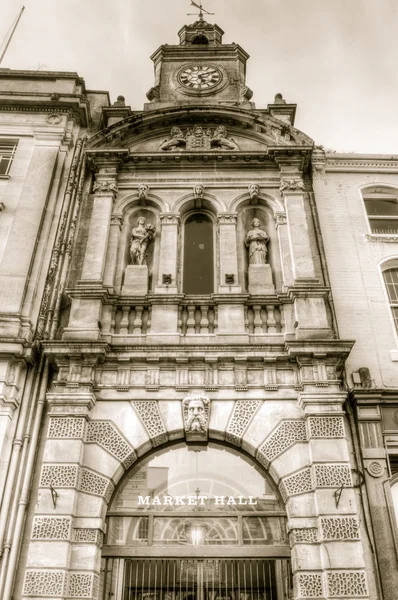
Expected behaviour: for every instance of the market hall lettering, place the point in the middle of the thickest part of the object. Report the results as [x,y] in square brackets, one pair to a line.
[196,500]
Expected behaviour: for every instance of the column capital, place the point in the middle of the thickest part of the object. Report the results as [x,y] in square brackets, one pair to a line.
[105,186]
[293,184]
[322,404]
[117,219]
[227,218]
[170,218]
[280,218]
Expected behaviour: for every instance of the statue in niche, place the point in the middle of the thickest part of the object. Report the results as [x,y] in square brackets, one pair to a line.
[141,237]
[256,241]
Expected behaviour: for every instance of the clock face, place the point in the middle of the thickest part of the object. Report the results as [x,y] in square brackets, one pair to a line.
[199,77]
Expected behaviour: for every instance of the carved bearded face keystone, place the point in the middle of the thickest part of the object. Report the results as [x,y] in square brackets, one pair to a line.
[196,414]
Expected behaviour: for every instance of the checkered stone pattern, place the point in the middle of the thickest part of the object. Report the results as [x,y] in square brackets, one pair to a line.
[51,528]
[332,475]
[243,412]
[298,483]
[325,427]
[149,413]
[59,476]
[308,585]
[285,435]
[105,434]
[347,584]
[44,582]
[339,528]
[66,428]
[92,483]
[305,535]
[82,585]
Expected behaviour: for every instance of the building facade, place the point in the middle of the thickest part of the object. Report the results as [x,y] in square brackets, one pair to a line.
[188,409]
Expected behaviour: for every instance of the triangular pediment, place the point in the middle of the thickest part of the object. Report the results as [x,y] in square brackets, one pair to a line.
[183,129]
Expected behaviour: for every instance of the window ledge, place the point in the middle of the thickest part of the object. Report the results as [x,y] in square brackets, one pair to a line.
[394,355]
[4,177]
[381,237]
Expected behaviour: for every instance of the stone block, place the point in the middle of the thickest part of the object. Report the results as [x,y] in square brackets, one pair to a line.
[135,281]
[164,318]
[260,280]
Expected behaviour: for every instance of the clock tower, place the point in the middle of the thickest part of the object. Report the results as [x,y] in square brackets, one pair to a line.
[200,68]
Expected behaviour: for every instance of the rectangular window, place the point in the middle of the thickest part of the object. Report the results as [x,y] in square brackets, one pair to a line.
[7,153]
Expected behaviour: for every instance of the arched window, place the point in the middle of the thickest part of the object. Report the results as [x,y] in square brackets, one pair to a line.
[183,526]
[390,276]
[381,204]
[198,272]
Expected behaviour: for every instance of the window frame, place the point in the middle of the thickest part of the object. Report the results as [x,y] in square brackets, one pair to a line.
[391,192]
[386,265]
[212,219]
[11,143]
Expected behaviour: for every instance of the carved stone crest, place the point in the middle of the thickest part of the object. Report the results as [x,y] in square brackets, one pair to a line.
[196,411]
[199,139]
[105,186]
[293,185]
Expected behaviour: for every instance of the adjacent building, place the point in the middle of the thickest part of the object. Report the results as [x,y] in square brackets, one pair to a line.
[197,343]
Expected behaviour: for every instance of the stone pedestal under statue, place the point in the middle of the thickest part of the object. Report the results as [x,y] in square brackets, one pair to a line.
[135,281]
[260,279]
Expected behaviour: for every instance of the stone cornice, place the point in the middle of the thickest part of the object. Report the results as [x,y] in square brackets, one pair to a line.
[361,163]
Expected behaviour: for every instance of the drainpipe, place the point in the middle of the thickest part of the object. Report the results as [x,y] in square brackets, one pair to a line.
[24,498]
[16,449]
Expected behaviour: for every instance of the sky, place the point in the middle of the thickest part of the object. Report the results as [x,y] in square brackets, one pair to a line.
[336,59]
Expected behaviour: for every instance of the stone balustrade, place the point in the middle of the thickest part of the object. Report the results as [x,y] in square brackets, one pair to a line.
[196,316]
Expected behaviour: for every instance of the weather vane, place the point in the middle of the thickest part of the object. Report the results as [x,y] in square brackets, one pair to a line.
[201,10]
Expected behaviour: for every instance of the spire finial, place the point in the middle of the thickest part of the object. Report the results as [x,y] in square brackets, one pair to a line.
[201,10]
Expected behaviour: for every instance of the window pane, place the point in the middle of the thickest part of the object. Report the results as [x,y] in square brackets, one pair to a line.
[381,206]
[198,255]
[264,531]
[391,281]
[195,531]
[384,226]
[7,151]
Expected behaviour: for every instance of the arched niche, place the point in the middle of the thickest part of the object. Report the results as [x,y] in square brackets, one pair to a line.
[131,215]
[262,211]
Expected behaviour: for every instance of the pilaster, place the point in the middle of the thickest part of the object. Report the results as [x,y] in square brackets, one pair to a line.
[167,280]
[228,254]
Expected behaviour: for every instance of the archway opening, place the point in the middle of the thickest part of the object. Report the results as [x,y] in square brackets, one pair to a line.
[196,524]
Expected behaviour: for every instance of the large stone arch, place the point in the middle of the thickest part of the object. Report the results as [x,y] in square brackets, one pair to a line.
[304,450]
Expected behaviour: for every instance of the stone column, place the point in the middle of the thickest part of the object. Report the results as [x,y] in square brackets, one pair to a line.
[105,189]
[87,299]
[167,279]
[113,245]
[310,299]
[57,531]
[292,190]
[228,254]
[328,543]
